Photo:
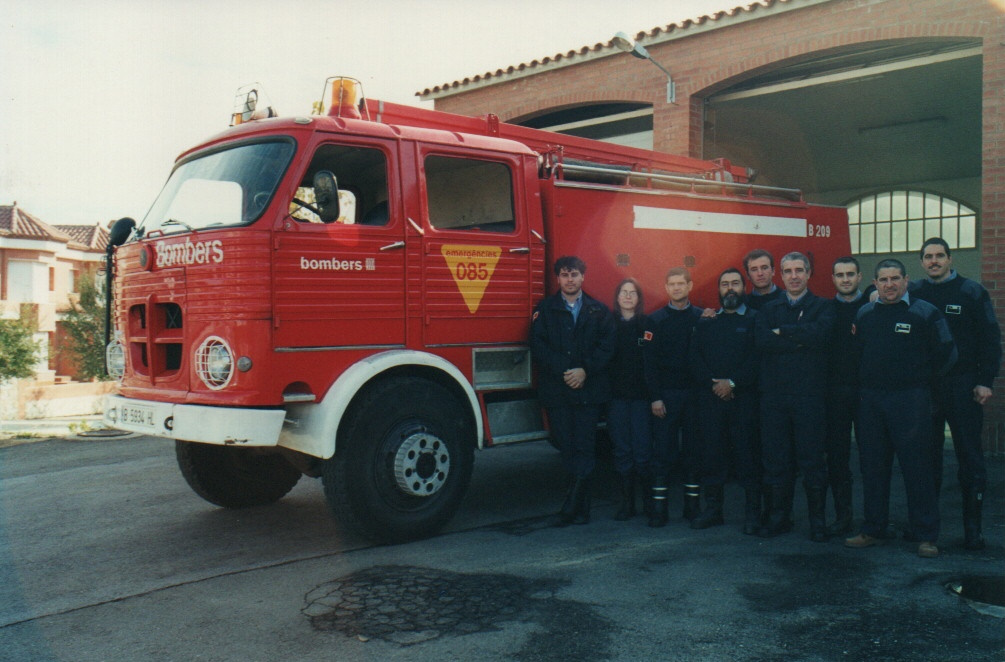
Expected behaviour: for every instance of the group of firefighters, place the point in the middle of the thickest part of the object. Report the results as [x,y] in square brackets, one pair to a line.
[769,386]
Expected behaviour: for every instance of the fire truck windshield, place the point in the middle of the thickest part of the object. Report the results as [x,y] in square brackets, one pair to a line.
[231,186]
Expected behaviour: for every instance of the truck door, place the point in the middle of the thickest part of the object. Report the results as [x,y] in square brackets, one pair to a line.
[476,253]
[342,284]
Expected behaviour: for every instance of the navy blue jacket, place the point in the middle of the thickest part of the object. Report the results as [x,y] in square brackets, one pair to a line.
[559,344]
[758,301]
[627,368]
[904,345]
[667,364]
[844,358]
[971,317]
[794,361]
[723,348]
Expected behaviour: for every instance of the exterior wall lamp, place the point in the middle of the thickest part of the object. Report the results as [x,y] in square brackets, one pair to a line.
[626,44]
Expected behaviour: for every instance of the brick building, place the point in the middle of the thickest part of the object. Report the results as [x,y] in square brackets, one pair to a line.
[893,108]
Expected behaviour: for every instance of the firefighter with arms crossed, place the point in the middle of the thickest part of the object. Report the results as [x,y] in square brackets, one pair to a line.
[792,335]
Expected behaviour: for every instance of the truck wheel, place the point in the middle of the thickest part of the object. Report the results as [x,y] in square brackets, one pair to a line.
[235,477]
[403,461]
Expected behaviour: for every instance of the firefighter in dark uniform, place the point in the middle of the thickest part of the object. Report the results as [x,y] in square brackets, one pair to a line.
[572,341]
[629,422]
[760,267]
[906,345]
[724,365]
[672,390]
[842,391]
[961,395]
[792,336]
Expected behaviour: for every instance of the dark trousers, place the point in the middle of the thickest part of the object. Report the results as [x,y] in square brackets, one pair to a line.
[726,430]
[954,403]
[574,428]
[674,444]
[842,408]
[898,422]
[629,423]
[792,430]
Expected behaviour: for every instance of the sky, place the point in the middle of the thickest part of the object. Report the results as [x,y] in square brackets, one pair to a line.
[98,97]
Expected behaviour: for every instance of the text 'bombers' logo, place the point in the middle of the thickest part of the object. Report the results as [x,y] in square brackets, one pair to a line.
[188,253]
[472,268]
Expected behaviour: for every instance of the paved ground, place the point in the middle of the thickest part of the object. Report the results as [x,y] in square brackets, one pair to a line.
[106,555]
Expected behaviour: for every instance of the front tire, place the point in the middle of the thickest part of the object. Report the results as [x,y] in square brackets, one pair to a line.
[235,477]
[403,462]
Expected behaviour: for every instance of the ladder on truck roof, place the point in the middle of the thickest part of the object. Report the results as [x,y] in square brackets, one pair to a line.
[590,174]
[575,159]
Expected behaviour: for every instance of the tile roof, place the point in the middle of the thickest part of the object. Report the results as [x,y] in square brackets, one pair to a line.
[655,35]
[93,237]
[16,223]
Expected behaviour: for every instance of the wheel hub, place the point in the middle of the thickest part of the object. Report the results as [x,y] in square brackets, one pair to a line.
[422,464]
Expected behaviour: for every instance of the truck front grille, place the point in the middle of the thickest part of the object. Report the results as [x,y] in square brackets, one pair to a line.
[156,339]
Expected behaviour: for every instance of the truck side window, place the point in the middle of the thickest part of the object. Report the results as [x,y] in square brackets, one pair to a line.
[467,194]
[361,173]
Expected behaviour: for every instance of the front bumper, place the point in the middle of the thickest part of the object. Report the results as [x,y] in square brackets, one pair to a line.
[208,425]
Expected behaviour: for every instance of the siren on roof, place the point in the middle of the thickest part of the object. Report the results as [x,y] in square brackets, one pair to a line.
[346,98]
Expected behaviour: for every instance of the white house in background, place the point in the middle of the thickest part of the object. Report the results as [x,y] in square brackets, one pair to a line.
[39,265]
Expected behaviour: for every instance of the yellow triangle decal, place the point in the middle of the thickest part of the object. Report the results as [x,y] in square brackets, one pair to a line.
[472,268]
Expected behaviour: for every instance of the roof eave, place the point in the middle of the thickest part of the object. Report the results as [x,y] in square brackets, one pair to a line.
[672,32]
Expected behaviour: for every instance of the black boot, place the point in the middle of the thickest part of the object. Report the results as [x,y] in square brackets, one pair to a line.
[571,505]
[692,500]
[661,508]
[752,510]
[582,515]
[627,509]
[779,519]
[842,509]
[646,485]
[712,514]
[816,499]
[973,503]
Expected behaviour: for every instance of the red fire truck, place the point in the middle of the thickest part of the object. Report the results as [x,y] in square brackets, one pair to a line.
[347,295]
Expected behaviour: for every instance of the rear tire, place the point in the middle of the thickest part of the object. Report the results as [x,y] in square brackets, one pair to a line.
[235,477]
[403,461]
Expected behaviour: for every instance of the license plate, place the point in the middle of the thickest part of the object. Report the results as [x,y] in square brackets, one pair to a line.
[137,415]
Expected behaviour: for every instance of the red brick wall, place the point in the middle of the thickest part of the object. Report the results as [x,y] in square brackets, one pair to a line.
[706,62]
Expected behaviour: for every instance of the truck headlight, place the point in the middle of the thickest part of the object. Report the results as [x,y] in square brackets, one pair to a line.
[115,359]
[214,362]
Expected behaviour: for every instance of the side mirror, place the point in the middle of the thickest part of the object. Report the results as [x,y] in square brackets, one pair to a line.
[326,195]
[120,232]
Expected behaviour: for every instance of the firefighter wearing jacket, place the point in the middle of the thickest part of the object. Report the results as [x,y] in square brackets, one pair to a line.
[961,394]
[572,341]
[906,346]
[724,365]
[843,390]
[672,392]
[792,336]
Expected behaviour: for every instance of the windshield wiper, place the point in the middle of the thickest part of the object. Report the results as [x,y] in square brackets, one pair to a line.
[175,221]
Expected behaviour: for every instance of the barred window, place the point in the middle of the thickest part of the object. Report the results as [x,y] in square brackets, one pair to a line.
[900,221]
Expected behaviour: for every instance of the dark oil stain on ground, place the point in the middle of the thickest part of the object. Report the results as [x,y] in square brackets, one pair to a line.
[839,610]
[408,605]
